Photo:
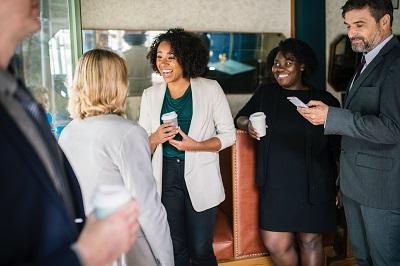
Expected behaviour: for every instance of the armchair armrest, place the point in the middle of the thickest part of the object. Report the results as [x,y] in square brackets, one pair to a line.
[247,239]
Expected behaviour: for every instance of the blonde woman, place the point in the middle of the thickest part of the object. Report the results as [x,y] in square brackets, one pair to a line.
[105,148]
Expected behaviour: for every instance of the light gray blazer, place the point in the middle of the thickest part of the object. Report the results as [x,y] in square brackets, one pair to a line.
[211,118]
[108,149]
[370,126]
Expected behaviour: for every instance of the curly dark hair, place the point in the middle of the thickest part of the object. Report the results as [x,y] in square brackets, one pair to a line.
[378,8]
[302,53]
[189,49]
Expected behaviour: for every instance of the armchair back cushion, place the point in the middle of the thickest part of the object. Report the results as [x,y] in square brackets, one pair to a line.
[247,240]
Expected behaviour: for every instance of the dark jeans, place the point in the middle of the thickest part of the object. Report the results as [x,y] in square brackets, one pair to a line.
[374,234]
[191,231]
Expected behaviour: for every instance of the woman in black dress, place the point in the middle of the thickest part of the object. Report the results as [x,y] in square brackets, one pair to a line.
[296,162]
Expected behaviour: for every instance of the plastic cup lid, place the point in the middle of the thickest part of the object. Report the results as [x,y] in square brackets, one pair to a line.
[258,115]
[169,116]
[110,196]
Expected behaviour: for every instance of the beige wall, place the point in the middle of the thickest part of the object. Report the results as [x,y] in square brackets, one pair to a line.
[193,15]
[272,16]
[208,15]
[335,27]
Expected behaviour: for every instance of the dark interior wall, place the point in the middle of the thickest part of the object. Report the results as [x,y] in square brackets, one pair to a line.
[310,27]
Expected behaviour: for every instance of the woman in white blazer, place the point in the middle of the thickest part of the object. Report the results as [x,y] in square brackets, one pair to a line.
[105,148]
[185,158]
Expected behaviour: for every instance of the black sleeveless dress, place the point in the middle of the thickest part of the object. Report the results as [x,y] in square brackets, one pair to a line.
[285,201]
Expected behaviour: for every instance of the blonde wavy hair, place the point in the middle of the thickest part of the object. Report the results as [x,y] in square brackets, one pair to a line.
[100,85]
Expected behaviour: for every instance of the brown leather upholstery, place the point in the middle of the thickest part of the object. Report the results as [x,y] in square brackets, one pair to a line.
[241,203]
[247,240]
[223,238]
[223,232]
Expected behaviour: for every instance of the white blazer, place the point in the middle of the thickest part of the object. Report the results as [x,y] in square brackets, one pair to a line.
[211,118]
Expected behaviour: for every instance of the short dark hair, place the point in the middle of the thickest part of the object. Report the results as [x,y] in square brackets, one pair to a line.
[189,49]
[378,8]
[302,53]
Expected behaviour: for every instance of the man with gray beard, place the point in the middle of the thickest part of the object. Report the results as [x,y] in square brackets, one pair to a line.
[370,127]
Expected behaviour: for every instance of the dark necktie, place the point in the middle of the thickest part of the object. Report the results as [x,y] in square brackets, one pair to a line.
[36,113]
[359,68]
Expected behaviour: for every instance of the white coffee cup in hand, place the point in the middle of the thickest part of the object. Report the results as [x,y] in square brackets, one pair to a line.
[257,121]
[171,117]
[108,198]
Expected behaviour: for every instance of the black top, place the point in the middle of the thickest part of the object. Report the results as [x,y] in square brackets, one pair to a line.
[288,145]
[292,145]
[296,163]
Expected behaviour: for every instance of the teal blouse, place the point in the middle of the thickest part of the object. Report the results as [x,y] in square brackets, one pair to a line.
[183,106]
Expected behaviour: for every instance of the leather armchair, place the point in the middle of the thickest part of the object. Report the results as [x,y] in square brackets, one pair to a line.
[236,231]
[247,240]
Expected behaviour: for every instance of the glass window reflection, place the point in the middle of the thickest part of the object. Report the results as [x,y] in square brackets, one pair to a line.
[236,60]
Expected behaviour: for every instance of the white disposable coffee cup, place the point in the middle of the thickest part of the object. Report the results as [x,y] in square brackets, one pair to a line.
[170,117]
[258,122]
[108,198]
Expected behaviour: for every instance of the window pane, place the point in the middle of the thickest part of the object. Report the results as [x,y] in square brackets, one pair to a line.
[236,59]
[44,62]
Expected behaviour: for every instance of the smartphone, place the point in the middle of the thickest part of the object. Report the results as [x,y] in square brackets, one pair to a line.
[296,101]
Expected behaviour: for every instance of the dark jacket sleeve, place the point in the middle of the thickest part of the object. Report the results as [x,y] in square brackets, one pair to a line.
[35,228]
[33,231]
[264,99]
[334,140]
[252,106]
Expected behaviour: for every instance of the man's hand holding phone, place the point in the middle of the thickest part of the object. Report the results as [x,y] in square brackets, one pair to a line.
[296,101]
[315,112]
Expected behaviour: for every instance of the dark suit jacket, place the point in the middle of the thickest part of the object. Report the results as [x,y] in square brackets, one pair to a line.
[35,227]
[370,125]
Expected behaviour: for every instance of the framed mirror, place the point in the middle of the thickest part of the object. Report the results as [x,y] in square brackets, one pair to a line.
[342,63]
[236,60]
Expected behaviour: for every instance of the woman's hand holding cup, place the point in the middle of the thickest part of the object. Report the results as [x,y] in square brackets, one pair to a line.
[167,130]
[252,132]
[163,133]
[257,125]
